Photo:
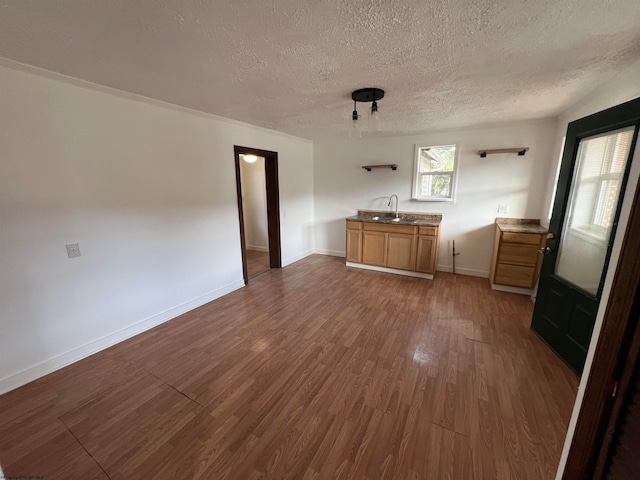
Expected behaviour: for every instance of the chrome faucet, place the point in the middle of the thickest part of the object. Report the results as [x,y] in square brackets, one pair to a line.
[389,204]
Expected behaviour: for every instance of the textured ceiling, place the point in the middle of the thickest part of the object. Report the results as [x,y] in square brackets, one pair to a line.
[290,65]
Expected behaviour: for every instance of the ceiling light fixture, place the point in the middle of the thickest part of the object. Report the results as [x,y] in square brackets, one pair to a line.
[365,95]
[249,158]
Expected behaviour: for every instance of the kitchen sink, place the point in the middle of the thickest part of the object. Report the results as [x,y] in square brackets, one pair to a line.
[394,220]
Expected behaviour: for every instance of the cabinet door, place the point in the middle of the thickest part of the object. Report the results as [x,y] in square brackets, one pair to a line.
[374,248]
[401,251]
[354,246]
[426,261]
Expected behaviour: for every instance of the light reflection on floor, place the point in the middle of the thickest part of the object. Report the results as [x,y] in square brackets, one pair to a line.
[423,356]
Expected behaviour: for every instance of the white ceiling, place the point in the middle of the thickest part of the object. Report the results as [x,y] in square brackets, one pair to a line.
[290,65]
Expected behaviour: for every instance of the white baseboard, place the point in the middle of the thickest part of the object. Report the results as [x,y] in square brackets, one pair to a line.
[508,289]
[295,258]
[333,253]
[258,249]
[471,272]
[46,367]
[406,273]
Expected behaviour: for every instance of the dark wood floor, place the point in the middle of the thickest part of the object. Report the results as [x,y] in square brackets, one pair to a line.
[313,371]
[257,262]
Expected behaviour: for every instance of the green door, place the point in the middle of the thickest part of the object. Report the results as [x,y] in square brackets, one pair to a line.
[593,174]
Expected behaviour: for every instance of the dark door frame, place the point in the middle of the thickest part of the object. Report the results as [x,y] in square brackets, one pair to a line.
[616,348]
[273,206]
[569,297]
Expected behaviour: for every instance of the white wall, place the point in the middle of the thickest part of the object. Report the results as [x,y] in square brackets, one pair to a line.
[342,186]
[624,87]
[148,191]
[254,205]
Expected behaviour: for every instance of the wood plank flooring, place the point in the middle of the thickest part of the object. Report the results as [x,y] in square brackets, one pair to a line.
[257,262]
[314,371]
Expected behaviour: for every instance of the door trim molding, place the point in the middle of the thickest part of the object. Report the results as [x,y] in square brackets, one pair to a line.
[611,360]
[273,206]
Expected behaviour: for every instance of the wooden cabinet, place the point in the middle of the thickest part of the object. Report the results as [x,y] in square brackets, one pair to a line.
[374,248]
[354,242]
[516,259]
[427,254]
[398,247]
[401,251]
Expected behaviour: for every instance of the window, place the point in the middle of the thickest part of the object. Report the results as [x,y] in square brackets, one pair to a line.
[435,169]
[601,163]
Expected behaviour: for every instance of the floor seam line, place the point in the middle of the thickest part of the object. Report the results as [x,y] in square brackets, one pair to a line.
[452,431]
[84,448]
[171,386]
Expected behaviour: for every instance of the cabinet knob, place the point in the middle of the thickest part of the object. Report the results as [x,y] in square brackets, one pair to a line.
[546,250]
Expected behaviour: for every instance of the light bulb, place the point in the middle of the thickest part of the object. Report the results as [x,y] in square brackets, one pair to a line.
[249,158]
[374,118]
[355,131]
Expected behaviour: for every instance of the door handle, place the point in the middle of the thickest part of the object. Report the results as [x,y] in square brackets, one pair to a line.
[546,250]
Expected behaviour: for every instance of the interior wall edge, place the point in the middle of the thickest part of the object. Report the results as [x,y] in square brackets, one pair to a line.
[34,372]
[78,82]
[470,272]
[331,253]
[295,258]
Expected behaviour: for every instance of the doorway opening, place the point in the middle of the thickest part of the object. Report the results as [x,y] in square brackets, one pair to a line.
[258,210]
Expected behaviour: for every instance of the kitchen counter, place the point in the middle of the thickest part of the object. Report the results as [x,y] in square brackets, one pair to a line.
[404,218]
[520,225]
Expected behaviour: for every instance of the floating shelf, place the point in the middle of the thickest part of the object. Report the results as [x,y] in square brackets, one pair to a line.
[392,166]
[519,150]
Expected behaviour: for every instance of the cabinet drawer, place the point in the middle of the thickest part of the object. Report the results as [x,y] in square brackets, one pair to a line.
[514,275]
[427,230]
[382,227]
[351,225]
[524,238]
[519,255]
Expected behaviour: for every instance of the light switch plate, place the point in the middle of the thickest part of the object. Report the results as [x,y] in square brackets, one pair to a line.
[73,250]
[503,208]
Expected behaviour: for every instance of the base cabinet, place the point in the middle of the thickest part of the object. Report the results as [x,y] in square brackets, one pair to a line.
[399,247]
[516,259]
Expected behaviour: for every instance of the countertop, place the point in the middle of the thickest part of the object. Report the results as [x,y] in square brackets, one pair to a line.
[521,225]
[406,218]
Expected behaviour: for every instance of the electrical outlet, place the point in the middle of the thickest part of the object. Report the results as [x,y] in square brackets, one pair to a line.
[503,208]
[73,250]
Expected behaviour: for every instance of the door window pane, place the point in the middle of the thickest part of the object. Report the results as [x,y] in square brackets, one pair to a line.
[593,200]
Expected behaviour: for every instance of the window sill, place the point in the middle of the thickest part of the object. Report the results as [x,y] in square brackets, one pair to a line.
[433,199]
[588,236]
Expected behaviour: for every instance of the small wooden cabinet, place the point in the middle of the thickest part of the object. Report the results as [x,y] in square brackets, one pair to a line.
[517,259]
[354,241]
[398,247]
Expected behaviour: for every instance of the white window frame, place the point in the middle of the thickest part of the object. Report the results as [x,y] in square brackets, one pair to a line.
[416,194]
